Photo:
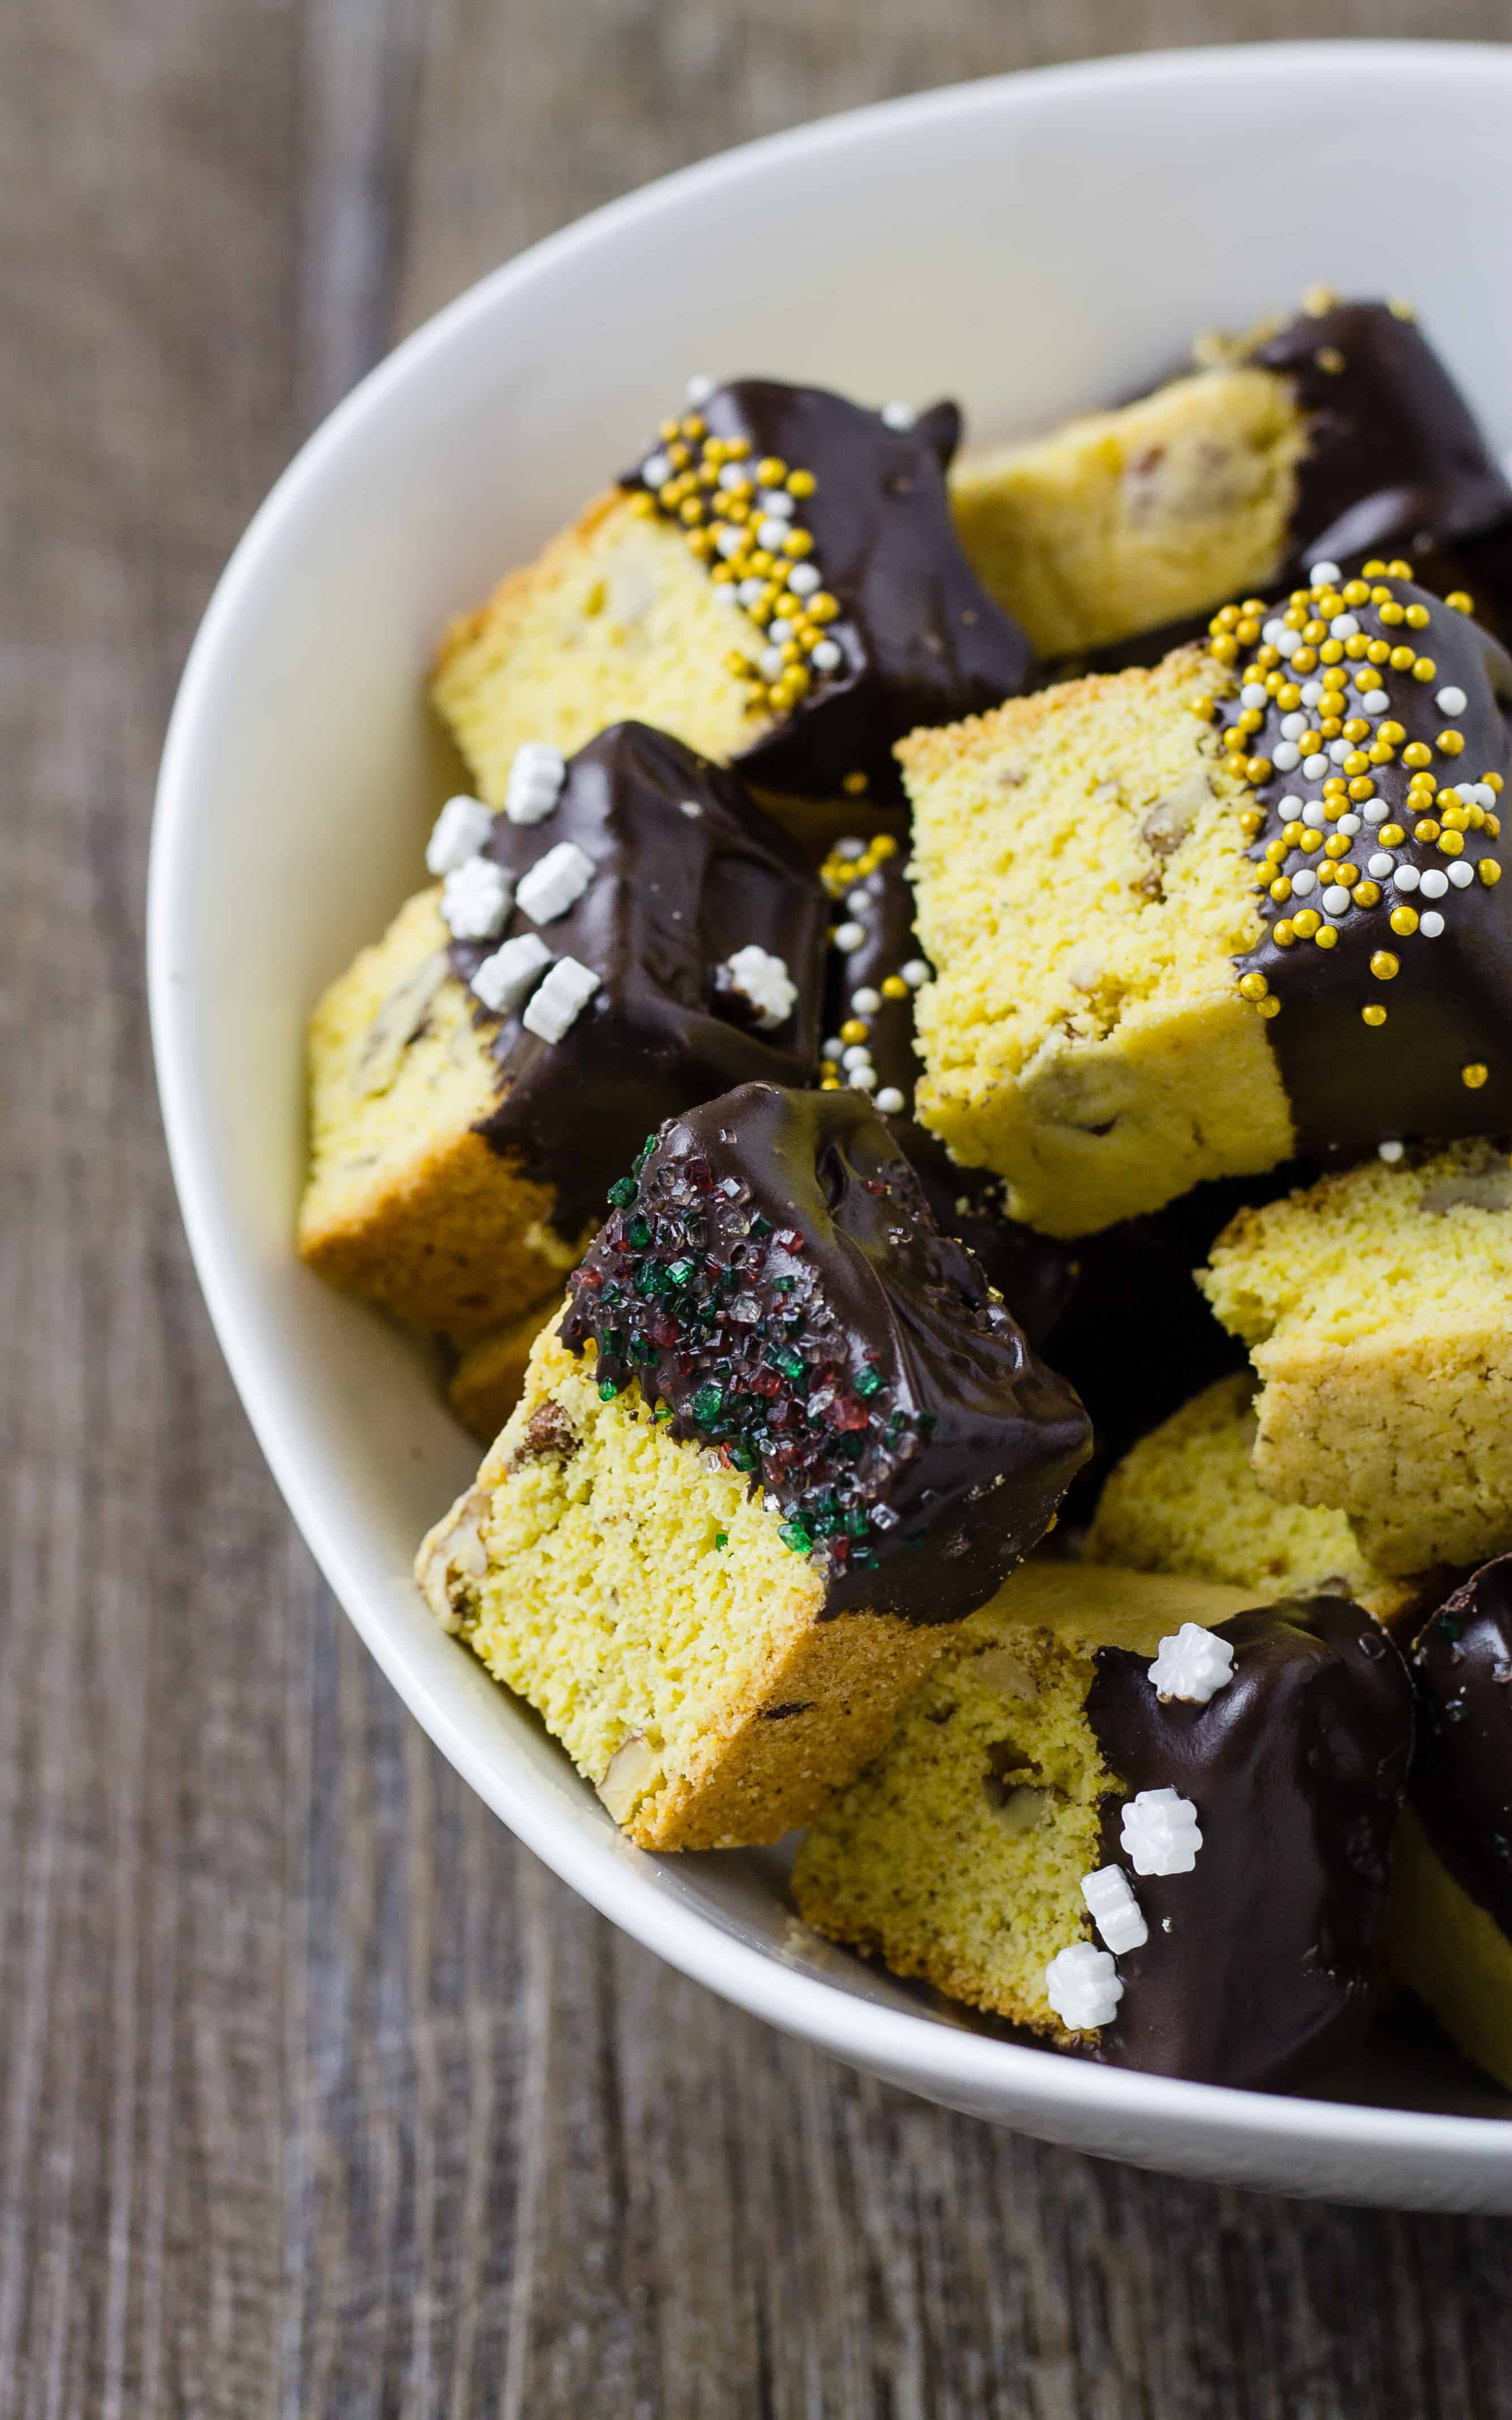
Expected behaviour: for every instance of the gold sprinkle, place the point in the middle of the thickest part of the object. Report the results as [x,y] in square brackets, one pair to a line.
[1367,894]
[1489,871]
[1260,768]
[1451,843]
[1425,668]
[854,784]
[1374,569]
[1326,939]
[1450,743]
[1391,835]
[1461,600]
[1284,933]
[1417,617]
[1494,781]
[1401,310]
[771,470]
[1404,921]
[1384,965]
[1329,358]
[1281,887]
[801,483]
[1417,753]
[1425,828]
[1317,301]
[1398,568]
[855,1029]
[1306,924]
[894,987]
[1475,1076]
[1253,987]
[1373,1013]
[1393,613]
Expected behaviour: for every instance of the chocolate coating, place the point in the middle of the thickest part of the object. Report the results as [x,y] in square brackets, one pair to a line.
[1034,1274]
[923,641]
[1296,1769]
[1463,1781]
[773,1276]
[1395,459]
[672,897]
[1449,1005]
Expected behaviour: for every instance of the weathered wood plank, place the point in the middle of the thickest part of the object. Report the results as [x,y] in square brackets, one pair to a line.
[317,2094]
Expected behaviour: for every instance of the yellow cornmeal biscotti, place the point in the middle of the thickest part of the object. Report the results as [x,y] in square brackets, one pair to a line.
[781,1437]
[466,1112]
[1124,521]
[406,1203]
[1084,889]
[1377,1306]
[1450,1950]
[489,1377]
[778,580]
[1142,1756]
[1185,1500]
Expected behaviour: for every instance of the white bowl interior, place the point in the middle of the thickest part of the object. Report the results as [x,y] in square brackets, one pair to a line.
[1032,246]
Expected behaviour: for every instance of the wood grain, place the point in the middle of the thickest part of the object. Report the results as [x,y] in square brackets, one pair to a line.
[317,2095]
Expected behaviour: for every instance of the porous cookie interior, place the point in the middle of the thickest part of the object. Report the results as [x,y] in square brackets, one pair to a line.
[617,621]
[1083,892]
[1123,520]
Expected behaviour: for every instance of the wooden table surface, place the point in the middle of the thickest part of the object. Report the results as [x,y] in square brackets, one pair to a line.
[318,2095]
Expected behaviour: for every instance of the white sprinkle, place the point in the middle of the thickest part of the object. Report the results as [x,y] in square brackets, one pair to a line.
[728,541]
[458,832]
[1344,625]
[502,981]
[1339,749]
[763,978]
[1303,881]
[535,778]
[832,1049]
[1312,693]
[1430,924]
[1255,696]
[1375,810]
[866,1001]
[858,901]
[691,808]
[849,848]
[1114,1909]
[1380,866]
[890,1101]
[698,388]
[1290,805]
[1461,875]
[749,592]
[899,415]
[1390,1152]
[1287,643]
[555,882]
[1451,700]
[1312,815]
[1434,883]
[559,999]
[1407,877]
[1158,1834]
[827,657]
[476,900]
[1192,1664]
[849,937]
[1326,575]
[1084,1986]
[771,533]
[779,629]
[769,663]
[1480,792]
[773,500]
[1293,725]
[856,1054]
[1336,899]
[914,972]
[1348,825]
[1270,631]
[733,475]
[1374,701]
[862,1079]
[656,470]
[804,579]
[1315,767]
[1286,756]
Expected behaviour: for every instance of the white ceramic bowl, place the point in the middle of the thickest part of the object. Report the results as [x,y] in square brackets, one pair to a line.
[1032,245]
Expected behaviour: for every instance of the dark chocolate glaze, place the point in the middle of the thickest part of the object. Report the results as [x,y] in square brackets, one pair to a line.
[1034,1274]
[1395,459]
[1352,1085]
[922,639]
[1463,1781]
[772,1275]
[673,895]
[1296,1769]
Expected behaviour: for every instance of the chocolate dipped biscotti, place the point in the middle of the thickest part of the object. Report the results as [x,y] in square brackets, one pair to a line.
[629,936]
[783,1436]
[1137,1818]
[778,582]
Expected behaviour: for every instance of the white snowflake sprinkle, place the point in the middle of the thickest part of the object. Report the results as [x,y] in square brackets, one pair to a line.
[458,832]
[1158,1834]
[1192,1664]
[476,900]
[555,882]
[1114,1909]
[535,778]
[502,981]
[559,999]
[1084,1986]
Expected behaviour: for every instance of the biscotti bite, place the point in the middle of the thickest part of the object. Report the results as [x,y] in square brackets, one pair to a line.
[631,936]
[1137,1818]
[1377,1306]
[1337,433]
[778,582]
[1186,921]
[1186,1501]
[1448,1930]
[782,1438]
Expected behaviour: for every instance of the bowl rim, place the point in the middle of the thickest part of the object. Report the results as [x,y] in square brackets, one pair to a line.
[939,2059]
